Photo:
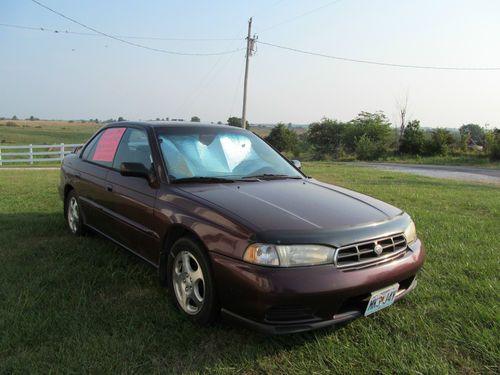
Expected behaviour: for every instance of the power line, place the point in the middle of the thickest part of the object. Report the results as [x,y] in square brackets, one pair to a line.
[205,82]
[266,8]
[56,31]
[300,15]
[134,44]
[377,62]
[237,88]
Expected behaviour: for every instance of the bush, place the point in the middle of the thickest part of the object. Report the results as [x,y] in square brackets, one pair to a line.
[374,126]
[283,138]
[413,139]
[439,143]
[325,137]
[493,144]
[366,149]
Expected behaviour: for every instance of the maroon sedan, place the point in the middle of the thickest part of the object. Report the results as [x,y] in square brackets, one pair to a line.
[234,227]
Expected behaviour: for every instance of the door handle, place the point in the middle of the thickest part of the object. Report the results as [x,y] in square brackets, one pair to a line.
[109,187]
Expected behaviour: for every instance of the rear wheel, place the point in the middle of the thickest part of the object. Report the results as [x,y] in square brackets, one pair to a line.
[190,281]
[74,215]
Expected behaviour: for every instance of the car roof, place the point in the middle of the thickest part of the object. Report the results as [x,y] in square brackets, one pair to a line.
[168,124]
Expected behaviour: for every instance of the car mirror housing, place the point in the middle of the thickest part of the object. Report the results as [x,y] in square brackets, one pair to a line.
[297,164]
[136,170]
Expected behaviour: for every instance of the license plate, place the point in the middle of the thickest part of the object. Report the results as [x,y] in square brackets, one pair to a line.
[381,298]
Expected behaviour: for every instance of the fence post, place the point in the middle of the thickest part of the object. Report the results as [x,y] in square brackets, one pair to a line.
[62,151]
[31,154]
[0,156]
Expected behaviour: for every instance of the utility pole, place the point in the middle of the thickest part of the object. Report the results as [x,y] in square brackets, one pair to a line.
[250,47]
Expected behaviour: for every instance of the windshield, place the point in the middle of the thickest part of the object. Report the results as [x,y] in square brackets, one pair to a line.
[222,153]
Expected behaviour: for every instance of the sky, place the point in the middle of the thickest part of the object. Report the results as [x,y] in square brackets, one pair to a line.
[60,76]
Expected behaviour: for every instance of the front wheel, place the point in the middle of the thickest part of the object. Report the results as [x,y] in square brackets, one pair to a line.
[191,284]
[74,214]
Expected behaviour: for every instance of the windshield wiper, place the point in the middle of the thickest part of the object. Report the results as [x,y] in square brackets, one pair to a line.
[272,176]
[201,179]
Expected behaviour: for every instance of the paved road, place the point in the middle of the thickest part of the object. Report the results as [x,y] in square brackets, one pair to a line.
[442,171]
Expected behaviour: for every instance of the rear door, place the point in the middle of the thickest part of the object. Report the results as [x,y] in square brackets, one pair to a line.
[97,160]
[133,198]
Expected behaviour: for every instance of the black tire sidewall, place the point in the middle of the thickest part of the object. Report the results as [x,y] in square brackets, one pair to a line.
[210,308]
[80,229]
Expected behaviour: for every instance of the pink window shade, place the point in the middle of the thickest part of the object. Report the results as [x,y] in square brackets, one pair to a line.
[107,145]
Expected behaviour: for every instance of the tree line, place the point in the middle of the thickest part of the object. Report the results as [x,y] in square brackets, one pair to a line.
[370,136]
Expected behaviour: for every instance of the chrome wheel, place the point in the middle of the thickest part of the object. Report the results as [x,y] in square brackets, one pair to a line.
[73,215]
[188,282]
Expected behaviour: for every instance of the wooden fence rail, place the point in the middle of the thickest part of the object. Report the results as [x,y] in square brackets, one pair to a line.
[34,153]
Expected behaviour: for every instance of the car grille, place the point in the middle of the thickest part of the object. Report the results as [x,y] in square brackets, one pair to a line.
[363,254]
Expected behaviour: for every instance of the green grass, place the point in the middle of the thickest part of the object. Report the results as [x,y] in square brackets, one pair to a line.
[45,132]
[85,306]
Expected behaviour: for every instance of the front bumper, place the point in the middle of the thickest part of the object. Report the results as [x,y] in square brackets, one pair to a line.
[286,300]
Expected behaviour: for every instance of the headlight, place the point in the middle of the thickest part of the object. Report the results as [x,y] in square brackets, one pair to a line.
[411,233]
[288,255]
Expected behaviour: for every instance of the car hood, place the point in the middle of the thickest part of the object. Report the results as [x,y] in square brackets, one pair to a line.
[293,205]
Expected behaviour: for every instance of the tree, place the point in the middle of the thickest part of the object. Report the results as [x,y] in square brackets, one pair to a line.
[121,118]
[325,137]
[14,117]
[439,142]
[235,121]
[374,126]
[412,141]
[402,111]
[492,138]
[195,119]
[366,149]
[283,138]
[473,133]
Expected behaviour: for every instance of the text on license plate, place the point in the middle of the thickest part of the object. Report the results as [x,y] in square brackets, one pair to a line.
[381,299]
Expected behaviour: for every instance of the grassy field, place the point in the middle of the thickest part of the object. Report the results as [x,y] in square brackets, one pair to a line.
[23,132]
[85,306]
[45,132]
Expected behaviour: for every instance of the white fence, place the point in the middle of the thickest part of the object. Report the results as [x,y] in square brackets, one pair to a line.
[35,153]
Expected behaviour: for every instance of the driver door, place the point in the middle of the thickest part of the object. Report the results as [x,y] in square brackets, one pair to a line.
[133,198]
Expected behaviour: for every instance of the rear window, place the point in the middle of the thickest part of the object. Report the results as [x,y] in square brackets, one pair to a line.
[103,148]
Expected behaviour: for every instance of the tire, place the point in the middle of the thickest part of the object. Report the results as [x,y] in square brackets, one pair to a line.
[190,281]
[73,214]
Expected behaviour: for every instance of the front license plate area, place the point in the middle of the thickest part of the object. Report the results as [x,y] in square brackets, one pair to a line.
[381,299]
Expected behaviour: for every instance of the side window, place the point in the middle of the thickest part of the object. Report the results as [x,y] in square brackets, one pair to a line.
[89,150]
[134,148]
[102,149]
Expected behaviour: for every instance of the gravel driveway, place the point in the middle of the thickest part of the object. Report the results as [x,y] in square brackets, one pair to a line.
[442,171]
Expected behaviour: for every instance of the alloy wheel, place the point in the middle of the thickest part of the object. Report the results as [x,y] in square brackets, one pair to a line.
[73,215]
[188,282]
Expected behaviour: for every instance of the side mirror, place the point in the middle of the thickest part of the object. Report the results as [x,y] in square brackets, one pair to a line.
[136,170]
[297,164]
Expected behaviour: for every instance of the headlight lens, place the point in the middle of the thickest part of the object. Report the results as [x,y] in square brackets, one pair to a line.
[288,255]
[411,233]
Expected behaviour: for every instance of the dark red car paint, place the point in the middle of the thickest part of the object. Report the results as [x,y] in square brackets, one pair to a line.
[147,218]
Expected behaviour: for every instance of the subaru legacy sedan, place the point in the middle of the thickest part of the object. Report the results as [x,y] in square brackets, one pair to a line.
[235,228]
